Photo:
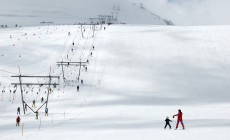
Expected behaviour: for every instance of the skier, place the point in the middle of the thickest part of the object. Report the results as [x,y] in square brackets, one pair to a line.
[73,43]
[25,106]
[36,115]
[18,121]
[167,121]
[42,99]
[46,112]
[33,103]
[179,119]
[18,111]
[81,81]
[78,88]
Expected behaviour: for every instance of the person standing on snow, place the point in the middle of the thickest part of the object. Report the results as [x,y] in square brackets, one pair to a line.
[18,121]
[78,88]
[26,107]
[36,115]
[167,121]
[179,119]
[46,112]
[33,105]
[18,111]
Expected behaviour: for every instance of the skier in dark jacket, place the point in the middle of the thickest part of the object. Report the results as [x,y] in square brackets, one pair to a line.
[167,121]
[36,113]
[33,105]
[26,107]
[18,110]
[46,112]
[78,88]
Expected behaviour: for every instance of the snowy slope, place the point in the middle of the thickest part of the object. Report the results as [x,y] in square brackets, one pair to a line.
[32,12]
[132,83]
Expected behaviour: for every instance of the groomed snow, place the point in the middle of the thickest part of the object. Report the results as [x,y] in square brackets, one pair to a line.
[136,77]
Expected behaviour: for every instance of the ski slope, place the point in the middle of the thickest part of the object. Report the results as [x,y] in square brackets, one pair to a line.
[137,75]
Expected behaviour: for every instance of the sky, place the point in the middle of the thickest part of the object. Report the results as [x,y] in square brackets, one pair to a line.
[191,12]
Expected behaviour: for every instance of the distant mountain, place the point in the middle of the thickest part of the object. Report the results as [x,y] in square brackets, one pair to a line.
[37,12]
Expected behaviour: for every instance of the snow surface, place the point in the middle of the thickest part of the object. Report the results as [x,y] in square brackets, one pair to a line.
[32,12]
[136,77]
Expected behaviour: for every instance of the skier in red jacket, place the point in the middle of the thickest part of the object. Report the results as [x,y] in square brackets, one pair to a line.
[179,118]
[18,121]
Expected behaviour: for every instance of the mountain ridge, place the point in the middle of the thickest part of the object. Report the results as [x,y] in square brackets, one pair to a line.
[32,12]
